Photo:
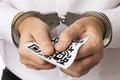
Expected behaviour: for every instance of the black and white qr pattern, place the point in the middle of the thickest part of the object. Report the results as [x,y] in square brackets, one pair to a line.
[59,57]
[62,59]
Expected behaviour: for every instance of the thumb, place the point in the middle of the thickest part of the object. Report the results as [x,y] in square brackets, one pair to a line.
[68,35]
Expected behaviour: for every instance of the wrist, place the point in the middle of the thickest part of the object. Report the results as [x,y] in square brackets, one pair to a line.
[107,25]
[25,24]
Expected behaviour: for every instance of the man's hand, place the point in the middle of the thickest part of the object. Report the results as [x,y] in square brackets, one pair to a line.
[91,52]
[33,29]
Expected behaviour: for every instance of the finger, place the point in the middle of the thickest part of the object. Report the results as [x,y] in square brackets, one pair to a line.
[75,71]
[32,65]
[46,65]
[93,44]
[25,54]
[34,62]
[23,38]
[86,50]
[43,39]
[80,67]
[68,35]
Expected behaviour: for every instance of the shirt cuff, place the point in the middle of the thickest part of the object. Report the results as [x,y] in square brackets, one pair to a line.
[114,16]
[7,14]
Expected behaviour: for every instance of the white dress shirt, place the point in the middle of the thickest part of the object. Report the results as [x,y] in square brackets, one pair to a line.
[107,69]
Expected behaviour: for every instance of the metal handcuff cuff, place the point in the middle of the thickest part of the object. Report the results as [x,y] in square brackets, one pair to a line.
[53,20]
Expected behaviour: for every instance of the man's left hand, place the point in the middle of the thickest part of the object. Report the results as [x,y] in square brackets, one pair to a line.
[90,54]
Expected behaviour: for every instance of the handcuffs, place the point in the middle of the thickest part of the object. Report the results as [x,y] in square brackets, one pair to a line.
[53,20]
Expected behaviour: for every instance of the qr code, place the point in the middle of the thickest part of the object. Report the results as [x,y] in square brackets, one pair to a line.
[62,59]
[35,48]
[58,57]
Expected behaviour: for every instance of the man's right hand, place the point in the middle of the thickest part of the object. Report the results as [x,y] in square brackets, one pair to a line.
[33,29]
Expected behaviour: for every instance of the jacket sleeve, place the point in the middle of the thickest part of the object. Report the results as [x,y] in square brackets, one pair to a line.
[7,14]
[114,17]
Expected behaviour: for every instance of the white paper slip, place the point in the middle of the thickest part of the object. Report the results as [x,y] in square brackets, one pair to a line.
[61,59]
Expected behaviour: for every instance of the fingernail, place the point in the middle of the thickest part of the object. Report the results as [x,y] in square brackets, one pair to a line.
[48,50]
[59,46]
